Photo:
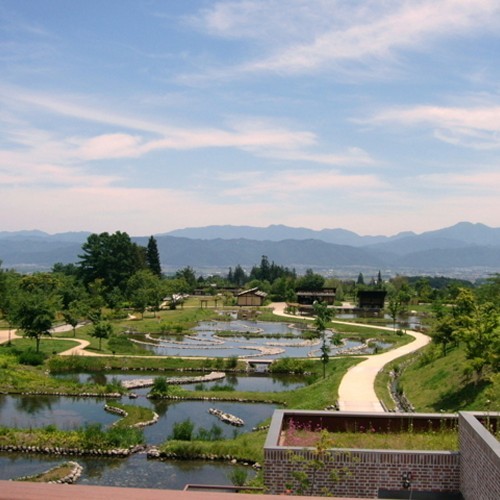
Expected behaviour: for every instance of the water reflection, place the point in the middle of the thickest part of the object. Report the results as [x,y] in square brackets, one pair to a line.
[254,382]
[135,471]
[69,413]
[33,405]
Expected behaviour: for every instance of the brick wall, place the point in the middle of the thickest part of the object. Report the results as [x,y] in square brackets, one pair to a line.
[363,472]
[480,459]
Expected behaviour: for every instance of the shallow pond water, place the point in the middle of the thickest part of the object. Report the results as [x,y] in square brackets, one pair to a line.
[239,382]
[69,413]
[66,413]
[135,471]
[205,341]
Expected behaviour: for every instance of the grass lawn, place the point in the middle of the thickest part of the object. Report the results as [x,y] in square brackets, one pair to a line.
[48,345]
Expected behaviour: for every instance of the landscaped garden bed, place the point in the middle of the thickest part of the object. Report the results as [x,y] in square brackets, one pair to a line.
[373,432]
[369,438]
[360,454]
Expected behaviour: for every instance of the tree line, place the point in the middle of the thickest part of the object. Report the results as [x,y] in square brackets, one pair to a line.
[115,275]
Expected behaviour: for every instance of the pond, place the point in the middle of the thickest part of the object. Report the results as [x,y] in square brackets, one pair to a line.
[68,413]
[239,382]
[206,341]
[135,471]
[411,322]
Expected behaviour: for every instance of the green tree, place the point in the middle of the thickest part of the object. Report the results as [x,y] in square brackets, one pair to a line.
[112,258]
[153,257]
[323,315]
[188,275]
[9,297]
[238,276]
[144,289]
[311,282]
[444,332]
[489,291]
[481,338]
[102,330]
[397,304]
[35,315]
[72,315]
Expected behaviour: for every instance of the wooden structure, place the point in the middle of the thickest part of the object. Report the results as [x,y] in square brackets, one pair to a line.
[371,299]
[325,295]
[251,297]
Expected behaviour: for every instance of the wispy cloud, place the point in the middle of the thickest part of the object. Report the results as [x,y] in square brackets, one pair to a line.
[259,136]
[476,127]
[290,184]
[310,36]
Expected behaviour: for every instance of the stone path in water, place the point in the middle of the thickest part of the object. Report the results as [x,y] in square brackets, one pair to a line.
[357,388]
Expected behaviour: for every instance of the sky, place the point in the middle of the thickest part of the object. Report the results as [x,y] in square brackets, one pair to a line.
[154,115]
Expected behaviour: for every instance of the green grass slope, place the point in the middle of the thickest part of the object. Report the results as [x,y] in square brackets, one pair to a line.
[435,384]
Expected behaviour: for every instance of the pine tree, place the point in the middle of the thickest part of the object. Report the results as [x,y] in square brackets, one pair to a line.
[153,257]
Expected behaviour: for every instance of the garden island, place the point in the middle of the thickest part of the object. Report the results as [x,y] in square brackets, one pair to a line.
[115,374]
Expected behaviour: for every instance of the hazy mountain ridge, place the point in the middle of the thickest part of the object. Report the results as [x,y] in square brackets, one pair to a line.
[278,233]
[464,245]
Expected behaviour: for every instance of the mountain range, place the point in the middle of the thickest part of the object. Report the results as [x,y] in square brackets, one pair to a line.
[465,249]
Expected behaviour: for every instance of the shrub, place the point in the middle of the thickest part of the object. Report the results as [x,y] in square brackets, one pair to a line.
[287,365]
[232,362]
[213,434]
[94,437]
[238,476]
[30,357]
[160,387]
[222,388]
[183,431]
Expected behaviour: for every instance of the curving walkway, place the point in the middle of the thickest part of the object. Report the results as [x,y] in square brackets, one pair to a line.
[357,388]
[6,335]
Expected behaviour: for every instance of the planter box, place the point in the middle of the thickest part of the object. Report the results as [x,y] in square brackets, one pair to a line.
[367,473]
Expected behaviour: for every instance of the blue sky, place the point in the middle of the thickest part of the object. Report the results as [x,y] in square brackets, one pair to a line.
[148,116]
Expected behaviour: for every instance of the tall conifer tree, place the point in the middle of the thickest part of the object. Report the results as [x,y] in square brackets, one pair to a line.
[153,257]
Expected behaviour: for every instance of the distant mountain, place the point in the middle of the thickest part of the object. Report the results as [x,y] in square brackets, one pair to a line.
[277,233]
[465,248]
[175,251]
[461,234]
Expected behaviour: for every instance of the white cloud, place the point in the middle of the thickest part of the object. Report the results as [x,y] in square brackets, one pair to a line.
[257,135]
[292,184]
[475,127]
[313,35]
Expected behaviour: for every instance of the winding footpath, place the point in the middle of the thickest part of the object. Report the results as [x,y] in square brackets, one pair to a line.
[357,388]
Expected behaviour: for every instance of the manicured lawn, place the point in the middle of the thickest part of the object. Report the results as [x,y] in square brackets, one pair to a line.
[48,345]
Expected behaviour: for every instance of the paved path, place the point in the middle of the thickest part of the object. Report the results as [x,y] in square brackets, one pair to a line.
[6,335]
[357,388]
